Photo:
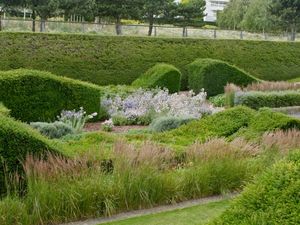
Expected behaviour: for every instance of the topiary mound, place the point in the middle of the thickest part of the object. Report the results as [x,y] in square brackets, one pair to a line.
[17,140]
[33,95]
[161,75]
[213,75]
[3,110]
[272,199]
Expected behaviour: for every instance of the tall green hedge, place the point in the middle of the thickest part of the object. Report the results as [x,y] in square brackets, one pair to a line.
[40,96]
[272,199]
[120,60]
[17,140]
[213,75]
[161,75]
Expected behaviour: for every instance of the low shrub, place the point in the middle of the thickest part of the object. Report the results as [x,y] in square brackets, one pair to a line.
[40,96]
[295,80]
[162,124]
[272,199]
[3,110]
[218,100]
[213,75]
[273,99]
[52,130]
[162,76]
[17,140]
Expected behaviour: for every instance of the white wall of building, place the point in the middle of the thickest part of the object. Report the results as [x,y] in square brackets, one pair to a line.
[212,7]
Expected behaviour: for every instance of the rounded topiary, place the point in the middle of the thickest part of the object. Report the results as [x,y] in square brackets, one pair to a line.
[272,199]
[161,75]
[33,95]
[213,75]
[17,140]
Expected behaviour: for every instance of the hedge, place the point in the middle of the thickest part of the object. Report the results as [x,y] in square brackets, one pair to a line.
[272,199]
[272,99]
[213,75]
[161,75]
[17,140]
[40,96]
[120,60]
[3,110]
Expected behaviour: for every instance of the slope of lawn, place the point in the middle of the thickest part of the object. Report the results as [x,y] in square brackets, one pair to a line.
[196,215]
[120,60]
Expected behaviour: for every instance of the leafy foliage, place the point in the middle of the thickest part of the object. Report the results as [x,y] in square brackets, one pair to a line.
[272,199]
[213,75]
[162,124]
[40,96]
[3,110]
[162,76]
[52,130]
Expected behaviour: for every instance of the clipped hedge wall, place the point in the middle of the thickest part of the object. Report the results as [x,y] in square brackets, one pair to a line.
[120,60]
[40,96]
[272,199]
[213,75]
[161,75]
[272,99]
[17,140]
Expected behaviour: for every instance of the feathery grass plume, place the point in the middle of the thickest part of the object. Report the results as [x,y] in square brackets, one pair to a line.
[272,86]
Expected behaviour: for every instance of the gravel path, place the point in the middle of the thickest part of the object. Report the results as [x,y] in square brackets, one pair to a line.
[157,209]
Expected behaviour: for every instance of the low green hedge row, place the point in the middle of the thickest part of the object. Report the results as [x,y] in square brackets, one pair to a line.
[272,99]
[17,140]
[40,96]
[213,75]
[120,60]
[272,199]
[161,75]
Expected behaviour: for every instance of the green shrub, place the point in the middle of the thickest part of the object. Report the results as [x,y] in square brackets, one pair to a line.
[40,96]
[295,80]
[222,124]
[52,130]
[120,60]
[162,124]
[218,100]
[17,140]
[272,99]
[3,110]
[213,75]
[161,75]
[272,199]
[267,120]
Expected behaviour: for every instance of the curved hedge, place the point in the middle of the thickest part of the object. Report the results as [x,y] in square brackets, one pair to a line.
[272,199]
[161,75]
[213,75]
[40,96]
[120,60]
[17,140]
[3,110]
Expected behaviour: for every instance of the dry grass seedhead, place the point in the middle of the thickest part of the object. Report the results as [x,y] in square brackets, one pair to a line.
[282,140]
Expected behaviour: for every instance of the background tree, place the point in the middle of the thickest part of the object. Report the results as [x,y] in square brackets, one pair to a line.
[84,8]
[233,14]
[153,9]
[8,4]
[257,16]
[287,13]
[119,9]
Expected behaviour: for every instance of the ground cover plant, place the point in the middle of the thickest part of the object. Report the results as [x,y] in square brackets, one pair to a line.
[40,96]
[160,76]
[272,199]
[213,75]
[120,60]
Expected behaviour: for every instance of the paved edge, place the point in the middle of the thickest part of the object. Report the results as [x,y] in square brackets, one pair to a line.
[158,209]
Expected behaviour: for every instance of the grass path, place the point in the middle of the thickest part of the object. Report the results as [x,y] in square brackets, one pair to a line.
[189,212]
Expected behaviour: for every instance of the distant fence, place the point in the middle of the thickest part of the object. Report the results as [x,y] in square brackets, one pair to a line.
[18,25]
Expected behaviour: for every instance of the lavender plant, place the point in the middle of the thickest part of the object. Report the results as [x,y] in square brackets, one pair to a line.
[75,119]
[143,106]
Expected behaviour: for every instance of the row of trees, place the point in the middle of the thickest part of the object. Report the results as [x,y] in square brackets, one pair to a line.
[186,12]
[261,15]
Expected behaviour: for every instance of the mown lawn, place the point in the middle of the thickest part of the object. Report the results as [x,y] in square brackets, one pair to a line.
[196,215]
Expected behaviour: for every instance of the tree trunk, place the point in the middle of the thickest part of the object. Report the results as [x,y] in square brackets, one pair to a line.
[43,25]
[151,22]
[33,20]
[1,20]
[293,33]
[118,26]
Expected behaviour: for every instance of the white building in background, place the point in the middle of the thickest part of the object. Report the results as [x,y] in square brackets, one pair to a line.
[212,8]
